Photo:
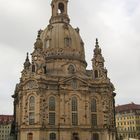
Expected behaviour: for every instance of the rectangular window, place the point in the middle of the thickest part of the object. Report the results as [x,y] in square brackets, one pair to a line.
[74,106]
[52,136]
[48,43]
[52,118]
[74,82]
[74,119]
[31,118]
[93,119]
[93,105]
[31,106]
[67,42]
[52,106]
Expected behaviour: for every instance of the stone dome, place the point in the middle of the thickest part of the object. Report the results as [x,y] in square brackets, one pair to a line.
[62,41]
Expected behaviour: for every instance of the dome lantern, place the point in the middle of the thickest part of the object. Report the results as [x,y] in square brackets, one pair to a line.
[59,11]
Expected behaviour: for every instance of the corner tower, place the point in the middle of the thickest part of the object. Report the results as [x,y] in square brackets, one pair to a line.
[57,98]
[99,71]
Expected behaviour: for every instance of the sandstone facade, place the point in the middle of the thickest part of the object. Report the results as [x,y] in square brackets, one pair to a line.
[57,97]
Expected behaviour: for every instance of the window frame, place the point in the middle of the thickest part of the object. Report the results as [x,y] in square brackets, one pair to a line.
[52,110]
[31,110]
[52,136]
[74,111]
[93,112]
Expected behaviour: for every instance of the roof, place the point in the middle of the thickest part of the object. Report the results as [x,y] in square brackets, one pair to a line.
[127,107]
[6,119]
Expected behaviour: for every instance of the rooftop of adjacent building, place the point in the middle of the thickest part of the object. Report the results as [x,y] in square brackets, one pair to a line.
[6,119]
[127,107]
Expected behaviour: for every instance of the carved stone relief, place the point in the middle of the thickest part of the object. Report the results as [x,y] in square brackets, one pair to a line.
[30,85]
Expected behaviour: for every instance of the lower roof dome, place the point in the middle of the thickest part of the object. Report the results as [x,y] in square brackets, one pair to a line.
[62,41]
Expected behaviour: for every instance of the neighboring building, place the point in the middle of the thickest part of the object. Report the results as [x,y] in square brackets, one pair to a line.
[5,126]
[128,121]
[57,98]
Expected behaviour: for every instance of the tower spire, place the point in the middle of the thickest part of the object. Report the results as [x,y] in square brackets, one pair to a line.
[59,11]
[97,49]
[99,71]
[38,44]
[96,43]
[27,62]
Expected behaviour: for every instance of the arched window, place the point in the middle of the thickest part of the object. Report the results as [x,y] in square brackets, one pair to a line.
[95,136]
[93,113]
[74,104]
[74,110]
[60,8]
[52,136]
[29,136]
[52,111]
[31,110]
[71,69]
[32,103]
[51,104]
[96,74]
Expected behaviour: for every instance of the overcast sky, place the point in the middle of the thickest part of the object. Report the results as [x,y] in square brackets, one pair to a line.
[116,23]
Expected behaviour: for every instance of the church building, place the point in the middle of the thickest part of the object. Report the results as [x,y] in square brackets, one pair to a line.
[57,98]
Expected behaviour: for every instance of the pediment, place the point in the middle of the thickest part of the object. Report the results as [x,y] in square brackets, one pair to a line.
[30,84]
[74,82]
